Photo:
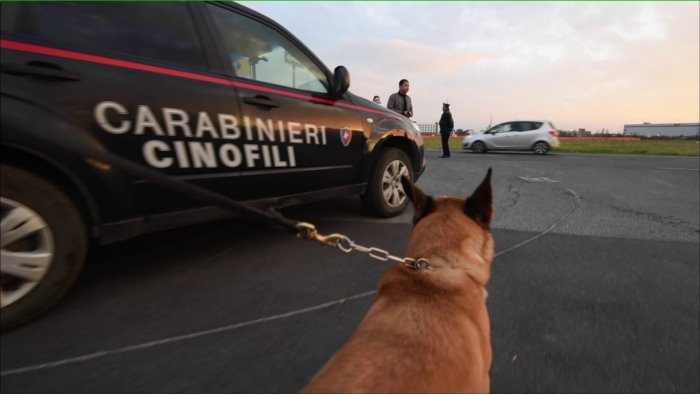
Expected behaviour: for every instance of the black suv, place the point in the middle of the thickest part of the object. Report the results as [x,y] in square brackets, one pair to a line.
[208,93]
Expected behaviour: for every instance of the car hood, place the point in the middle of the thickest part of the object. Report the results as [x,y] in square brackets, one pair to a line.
[481,133]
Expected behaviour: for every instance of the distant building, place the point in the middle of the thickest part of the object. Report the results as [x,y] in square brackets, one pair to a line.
[428,128]
[663,129]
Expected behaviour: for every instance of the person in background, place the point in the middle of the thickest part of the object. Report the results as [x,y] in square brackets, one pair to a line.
[447,124]
[377,100]
[400,102]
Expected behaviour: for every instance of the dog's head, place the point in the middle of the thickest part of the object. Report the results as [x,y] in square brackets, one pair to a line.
[454,232]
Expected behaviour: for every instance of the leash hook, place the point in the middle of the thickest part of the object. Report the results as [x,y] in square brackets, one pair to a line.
[340,241]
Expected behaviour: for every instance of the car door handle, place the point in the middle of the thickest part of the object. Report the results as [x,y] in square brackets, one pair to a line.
[39,69]
[261,101]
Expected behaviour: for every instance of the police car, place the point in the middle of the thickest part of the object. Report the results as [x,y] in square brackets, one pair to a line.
[213,94]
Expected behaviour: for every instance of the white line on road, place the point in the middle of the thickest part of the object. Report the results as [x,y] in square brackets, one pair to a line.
[178,338]
[574,205]
[540,179]
[678,169]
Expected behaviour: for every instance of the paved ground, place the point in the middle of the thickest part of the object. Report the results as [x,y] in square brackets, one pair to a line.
[595,288]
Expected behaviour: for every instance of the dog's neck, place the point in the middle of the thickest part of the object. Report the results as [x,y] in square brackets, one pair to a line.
[475,268]
[453,244]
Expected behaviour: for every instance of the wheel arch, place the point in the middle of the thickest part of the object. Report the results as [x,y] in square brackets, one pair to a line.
[534,144]
[407,146]
[486,147]
[57,175]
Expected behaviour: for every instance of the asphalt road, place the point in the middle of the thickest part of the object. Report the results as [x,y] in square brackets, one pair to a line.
[595,288]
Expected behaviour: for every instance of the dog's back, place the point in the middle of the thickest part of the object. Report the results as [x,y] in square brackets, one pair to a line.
[428,329]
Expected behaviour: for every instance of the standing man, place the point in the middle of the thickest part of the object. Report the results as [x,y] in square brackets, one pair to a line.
[377,100]
[400,102]
[446,127]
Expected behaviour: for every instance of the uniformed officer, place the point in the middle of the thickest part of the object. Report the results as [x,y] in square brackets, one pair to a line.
[446,127]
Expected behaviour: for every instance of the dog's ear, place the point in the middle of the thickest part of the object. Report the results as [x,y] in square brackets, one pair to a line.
[422,204]
[479,205]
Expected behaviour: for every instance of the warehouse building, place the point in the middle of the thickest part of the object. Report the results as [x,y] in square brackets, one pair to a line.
[663,129]
[428,128]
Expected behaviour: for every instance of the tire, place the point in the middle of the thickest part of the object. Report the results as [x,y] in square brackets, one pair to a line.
[478,147]
[385,196]
[44,242]
[540,148]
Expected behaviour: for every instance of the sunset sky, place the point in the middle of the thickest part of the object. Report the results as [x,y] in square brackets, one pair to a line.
[589,65]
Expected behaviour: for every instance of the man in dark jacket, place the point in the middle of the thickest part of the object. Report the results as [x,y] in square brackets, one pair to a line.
[446,127]
[400,102]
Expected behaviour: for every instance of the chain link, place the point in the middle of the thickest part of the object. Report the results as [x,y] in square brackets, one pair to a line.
[345,244]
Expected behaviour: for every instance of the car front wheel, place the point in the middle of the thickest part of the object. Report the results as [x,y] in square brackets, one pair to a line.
[540,148]
[43,245]
[385,196]
[478,147]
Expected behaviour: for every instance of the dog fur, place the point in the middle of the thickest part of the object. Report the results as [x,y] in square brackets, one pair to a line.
[427,330]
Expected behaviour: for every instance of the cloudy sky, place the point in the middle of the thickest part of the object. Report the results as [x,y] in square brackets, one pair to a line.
[590,65]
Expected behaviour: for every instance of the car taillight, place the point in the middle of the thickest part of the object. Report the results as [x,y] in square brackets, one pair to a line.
[554,133]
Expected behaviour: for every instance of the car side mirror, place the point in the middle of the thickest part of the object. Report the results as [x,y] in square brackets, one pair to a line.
[341,82]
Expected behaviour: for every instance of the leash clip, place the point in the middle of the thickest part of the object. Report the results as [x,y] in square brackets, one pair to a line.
[340,241]
[306,231]
[416,264]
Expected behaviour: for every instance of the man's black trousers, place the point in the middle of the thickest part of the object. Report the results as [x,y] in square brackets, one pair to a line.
[445,143]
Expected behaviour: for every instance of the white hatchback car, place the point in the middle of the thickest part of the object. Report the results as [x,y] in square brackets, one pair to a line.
[538,136]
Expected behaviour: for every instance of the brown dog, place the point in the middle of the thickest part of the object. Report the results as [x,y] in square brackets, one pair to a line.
[428,329]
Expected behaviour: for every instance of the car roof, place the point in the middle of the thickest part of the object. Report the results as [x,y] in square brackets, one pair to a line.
[525,120]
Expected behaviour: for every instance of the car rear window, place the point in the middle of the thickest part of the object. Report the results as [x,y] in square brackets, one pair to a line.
[527,126]
[157,31]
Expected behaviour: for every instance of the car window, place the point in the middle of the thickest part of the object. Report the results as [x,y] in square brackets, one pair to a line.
[501,128]
[528,126]
[260,53]
[157,31]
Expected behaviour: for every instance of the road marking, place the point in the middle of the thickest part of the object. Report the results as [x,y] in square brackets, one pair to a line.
[574,205]
[678,169]
[178,338]
[540,179]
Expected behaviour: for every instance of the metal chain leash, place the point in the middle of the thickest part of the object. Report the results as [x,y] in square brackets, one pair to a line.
[345,244]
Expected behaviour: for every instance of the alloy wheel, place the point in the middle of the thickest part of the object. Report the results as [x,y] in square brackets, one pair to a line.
[392,190]
[540,148]
[27,250]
